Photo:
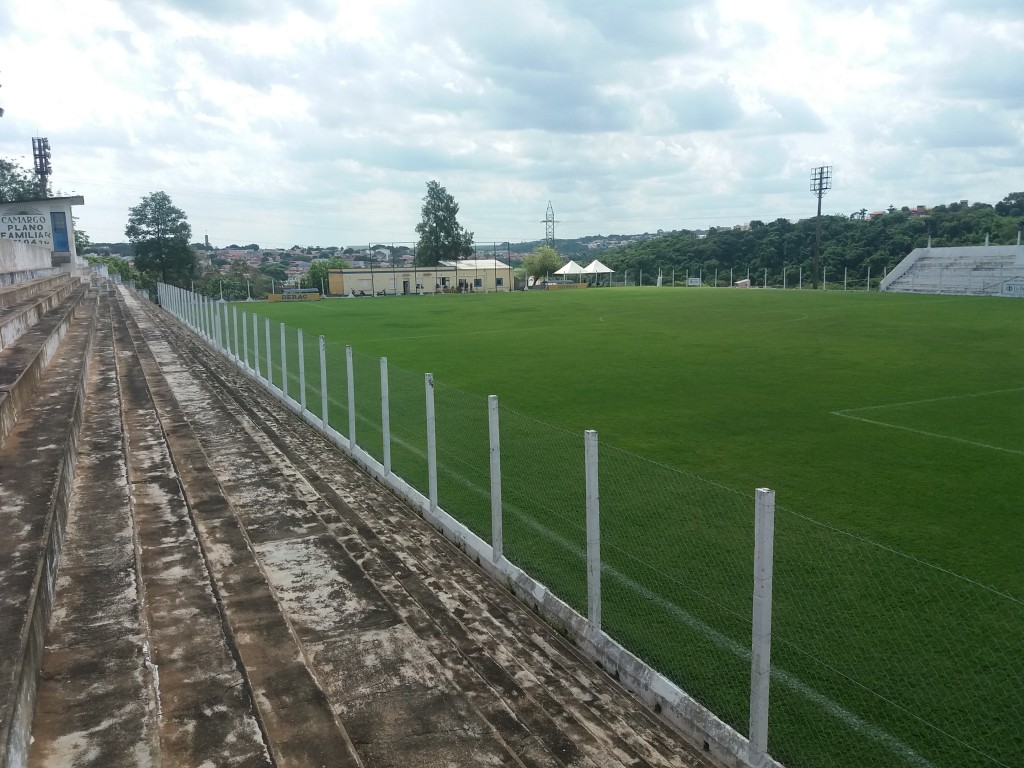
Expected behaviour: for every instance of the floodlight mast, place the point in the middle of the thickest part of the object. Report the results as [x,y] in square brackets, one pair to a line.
[821,182]
[41,158]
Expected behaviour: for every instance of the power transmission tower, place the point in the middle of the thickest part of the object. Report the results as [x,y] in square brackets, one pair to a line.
[821,182]
[549,226]
[41,157]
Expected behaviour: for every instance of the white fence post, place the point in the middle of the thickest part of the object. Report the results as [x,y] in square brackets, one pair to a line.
[761,635]
[350,375]
[385,415]
[593,532]
[245,339]
[302,373]
[284,365]
[497,540]
[270,352]
[234,325]
[431,443]
[868,286]
[323,385]
[256,344]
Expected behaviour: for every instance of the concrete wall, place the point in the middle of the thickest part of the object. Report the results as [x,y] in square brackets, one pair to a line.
[31,223]
[18,256]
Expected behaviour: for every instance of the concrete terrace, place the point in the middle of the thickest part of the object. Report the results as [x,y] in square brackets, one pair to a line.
[191,576]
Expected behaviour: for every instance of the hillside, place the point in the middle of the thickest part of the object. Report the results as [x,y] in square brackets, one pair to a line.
[855,243]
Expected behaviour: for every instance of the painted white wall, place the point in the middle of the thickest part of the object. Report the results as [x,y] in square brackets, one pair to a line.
[21,257]
[29,223]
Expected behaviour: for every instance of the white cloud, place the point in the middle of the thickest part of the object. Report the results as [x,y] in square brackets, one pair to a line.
[318,122]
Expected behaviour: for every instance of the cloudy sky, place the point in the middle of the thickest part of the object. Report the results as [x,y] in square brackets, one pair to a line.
[319,121]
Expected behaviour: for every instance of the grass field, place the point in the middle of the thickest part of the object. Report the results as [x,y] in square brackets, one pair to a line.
[896,418]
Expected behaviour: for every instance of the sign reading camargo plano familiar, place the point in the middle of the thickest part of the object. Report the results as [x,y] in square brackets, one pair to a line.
[30,227]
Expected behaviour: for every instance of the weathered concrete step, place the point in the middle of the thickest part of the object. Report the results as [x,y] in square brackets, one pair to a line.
[13,277]
[36,468]
[22,364]
[553,704]
[206,713]
[394,698]
[26,289]
[96,704]
[17,318]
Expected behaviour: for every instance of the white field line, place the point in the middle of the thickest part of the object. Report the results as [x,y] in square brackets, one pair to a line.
[724,642]
[847,413]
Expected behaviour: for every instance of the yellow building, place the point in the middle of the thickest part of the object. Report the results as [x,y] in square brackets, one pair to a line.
[469,276]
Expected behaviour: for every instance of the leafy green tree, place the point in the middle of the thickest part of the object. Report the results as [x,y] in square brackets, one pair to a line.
[442,238]
[159,233]
[16,184]
[274,270]
[82,241]
[317,273]
[117,266]
[543,260]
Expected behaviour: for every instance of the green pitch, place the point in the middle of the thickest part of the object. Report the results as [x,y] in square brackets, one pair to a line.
[896,418]
[899,417]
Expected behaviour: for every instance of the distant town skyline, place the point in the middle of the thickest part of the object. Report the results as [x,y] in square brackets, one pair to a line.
[318,122]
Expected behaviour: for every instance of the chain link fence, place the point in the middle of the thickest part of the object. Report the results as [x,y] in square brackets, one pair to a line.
[876,658]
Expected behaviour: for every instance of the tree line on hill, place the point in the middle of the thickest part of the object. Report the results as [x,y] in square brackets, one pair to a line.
[855,243]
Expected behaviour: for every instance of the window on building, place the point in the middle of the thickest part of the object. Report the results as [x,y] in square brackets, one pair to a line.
[499,281]
[478,282]
[59,227]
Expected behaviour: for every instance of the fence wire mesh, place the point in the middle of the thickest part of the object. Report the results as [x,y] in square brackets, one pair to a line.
[883,659]
[407,402]
[544,500]
[366,374]
[677,577]
[463,458]
[337,386]
[877,658]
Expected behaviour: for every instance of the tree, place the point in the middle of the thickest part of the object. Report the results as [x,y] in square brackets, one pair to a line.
[16,184]
[317,273]
[441,235]
[117,266]
[541,261]
[274,270]
[159,234]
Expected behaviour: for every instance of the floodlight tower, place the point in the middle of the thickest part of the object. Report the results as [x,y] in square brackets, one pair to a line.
[549,226]
[41,158]
[821,182]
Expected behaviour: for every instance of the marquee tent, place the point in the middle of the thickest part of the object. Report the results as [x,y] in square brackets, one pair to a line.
[572,268]
[597,268]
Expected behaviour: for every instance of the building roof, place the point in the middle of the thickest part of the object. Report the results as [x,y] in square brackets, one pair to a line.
[474,264]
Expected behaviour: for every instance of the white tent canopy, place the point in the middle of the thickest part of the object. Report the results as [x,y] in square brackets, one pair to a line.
[572,268]
[596,268]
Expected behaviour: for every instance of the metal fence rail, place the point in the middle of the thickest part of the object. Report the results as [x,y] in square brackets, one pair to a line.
[873,657]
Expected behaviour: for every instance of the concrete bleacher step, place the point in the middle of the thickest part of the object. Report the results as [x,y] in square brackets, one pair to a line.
[23,363]
[97,698]
[17,318]
[9,278]
[299,723]
[19,290]
[206,710]
[485,657]
[37,458]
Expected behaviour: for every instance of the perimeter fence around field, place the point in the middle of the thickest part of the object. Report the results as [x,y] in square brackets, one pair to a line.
[875,658]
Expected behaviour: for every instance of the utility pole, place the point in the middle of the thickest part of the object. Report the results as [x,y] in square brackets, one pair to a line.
[41,158]
[549,226]
[821,182]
